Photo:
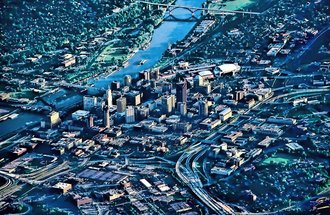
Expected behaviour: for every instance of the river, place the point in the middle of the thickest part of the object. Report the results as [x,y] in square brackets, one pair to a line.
[11,125]
[167,33]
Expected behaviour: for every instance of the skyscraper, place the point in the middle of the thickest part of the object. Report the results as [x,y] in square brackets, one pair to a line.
[109,97]
[182,108]
[90,121]
[115,85]
[168,102]
[106,117]
[203,108]
[198,81]
[89,102]
[181,91]
[144,75]
[121,104]
[130,114]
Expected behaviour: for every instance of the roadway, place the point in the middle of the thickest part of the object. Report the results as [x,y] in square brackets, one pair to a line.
[192,180]
[192,9]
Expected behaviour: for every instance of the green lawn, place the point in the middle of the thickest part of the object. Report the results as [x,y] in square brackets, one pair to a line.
[279,159]
[230,5]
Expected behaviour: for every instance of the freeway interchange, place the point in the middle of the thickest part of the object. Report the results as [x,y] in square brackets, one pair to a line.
[186,166]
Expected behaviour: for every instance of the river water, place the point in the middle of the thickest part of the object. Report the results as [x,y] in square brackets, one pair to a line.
[11,125]
[167,33]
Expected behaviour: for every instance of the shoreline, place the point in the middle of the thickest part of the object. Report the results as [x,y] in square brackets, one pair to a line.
[91,80]
[105,74]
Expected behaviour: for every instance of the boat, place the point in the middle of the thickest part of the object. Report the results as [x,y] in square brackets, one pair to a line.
[142,62]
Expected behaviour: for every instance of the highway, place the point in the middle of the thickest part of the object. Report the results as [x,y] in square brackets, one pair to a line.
[303,92]
[9,187]
[192,180]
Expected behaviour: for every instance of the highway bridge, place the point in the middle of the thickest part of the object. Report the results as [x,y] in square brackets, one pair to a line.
[302,92]
[169,8]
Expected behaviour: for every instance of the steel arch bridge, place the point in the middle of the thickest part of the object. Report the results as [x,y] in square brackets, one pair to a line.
[170,8]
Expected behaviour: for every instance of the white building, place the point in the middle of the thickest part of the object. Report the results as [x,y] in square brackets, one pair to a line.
[130,114]
[227,69]
[225,114]
[108,96]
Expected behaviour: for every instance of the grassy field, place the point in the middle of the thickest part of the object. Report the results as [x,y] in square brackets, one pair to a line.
[230,5]
[279,159]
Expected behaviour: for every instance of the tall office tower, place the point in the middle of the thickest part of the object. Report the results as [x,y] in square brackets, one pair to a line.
[198,81]
[89,102]
[155,74]
[203,108]
[173,101]
[168,102]
[106,117]
[144,75]
[115,85]
[90,121]
[133,98]
[130,114]
[127,80]
[182,108]
[121,104]
[108,96]
[181,91]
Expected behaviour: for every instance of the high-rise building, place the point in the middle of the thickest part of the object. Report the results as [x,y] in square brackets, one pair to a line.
[115,85]
[181,91]
[52,120]
[130,114]
[182,108]
[168,103]
[127,80]
[155,74]
[239,95]
[144,75]
[106,117]
[108,96]
[121,104]
[90,121]
[133,98]
[198,81]
[203,108]
[89,102]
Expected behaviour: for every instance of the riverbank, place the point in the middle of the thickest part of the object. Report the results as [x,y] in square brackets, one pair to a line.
[168,32]
[222,25]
